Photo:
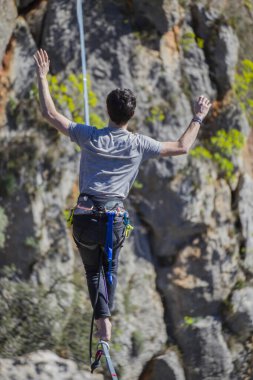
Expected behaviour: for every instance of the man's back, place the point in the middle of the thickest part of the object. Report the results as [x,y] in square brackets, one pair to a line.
[110,159]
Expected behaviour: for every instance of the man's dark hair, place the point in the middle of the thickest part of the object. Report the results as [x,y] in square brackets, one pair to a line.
[121,104]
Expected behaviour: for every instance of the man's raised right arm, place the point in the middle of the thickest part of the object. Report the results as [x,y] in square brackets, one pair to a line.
[184,143]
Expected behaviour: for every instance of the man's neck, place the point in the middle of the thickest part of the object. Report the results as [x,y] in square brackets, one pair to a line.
[114,125]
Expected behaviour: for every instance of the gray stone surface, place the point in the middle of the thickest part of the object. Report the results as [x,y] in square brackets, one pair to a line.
[221,43]
[205,352]
[60,37]
[22,69]
[198,80]
[167,366]
[223,56]
[7,23]
[188,236]
[245,206]
[164,14]
[35,20]
[141,333]
[24,3]
[240,317]
[43,365]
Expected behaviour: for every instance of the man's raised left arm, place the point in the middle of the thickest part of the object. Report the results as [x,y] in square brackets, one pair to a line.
[184,143]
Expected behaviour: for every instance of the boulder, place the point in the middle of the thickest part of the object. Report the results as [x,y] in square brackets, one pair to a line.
[204,350]
[240,316]
[43,365]
[167,366]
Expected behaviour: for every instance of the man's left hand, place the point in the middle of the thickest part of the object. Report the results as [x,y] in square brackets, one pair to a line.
[202,107]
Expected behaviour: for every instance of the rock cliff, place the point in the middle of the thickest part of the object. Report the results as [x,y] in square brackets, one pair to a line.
[185,296]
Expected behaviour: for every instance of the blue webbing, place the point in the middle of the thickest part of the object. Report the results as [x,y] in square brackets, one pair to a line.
[109,243]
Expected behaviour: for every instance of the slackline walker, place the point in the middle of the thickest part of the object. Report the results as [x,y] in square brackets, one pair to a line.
[102,346]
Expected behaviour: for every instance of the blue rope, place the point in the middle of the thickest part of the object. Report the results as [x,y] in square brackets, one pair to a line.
[109,243]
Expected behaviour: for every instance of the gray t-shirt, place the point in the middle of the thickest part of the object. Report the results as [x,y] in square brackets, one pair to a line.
[110,159]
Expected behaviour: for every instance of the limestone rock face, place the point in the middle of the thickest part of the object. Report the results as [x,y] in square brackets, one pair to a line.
[7,23]
[191,250]
[166,366]
[164,14]
[240,318]
[221,44]
[210,358]
[225,44]
[59,32]
[42,365]
[22,69]
[245,206]
[141,333]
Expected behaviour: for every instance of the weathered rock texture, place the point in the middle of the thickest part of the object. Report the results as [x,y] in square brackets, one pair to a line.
[186,274]
[42,365]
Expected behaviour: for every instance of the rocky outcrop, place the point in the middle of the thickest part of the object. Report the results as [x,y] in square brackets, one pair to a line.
[245,207]
[205,351]
[166,366]
[185,275]
[42,365]
[240,318]
[139,328]
[8,16]
[221,44]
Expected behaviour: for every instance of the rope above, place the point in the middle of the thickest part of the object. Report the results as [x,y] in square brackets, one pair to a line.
[83,55]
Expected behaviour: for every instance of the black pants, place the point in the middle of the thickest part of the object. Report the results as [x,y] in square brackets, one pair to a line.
[89,233]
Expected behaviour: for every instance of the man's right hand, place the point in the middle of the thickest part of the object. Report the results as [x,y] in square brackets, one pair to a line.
[42,63]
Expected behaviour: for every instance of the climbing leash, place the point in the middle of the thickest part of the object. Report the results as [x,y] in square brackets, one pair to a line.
[103,348]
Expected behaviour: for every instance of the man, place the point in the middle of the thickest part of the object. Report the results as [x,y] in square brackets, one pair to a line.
[109,164]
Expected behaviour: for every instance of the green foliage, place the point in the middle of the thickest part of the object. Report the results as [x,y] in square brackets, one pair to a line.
[68,94]
[137,185]
[240,284]
[156,114]
[3,226]
[200,42]
[137,342]
[221,148]
[189,321]
[201,152]
[243,88]
[31,242]
[248,4]
[187,40]
[8,184]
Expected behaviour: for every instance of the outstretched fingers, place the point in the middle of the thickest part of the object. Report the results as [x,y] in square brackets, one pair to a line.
[45,56]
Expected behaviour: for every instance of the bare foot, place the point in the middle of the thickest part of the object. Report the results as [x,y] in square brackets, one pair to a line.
[104,327]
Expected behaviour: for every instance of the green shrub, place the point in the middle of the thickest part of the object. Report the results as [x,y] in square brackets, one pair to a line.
[221,148]
[189,321]
[156,114]
[187,40]
[137,185]
[68,94]
[243,88]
